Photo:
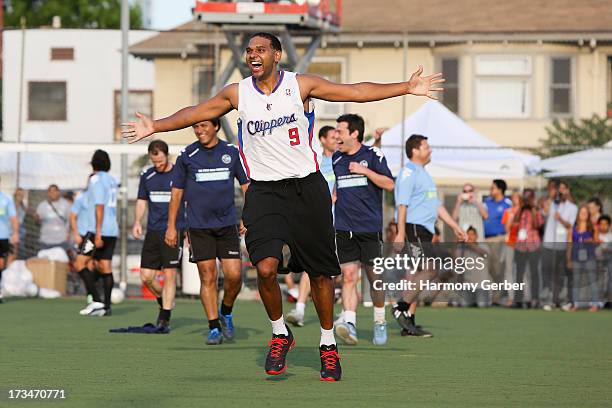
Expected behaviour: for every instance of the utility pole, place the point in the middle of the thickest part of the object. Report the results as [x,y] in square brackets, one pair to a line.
[125,27]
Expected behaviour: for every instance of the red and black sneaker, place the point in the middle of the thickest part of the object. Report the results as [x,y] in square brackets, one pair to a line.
[279,347]
[330,363]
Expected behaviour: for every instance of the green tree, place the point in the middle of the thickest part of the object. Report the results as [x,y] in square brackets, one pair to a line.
[570,136]
[73,13]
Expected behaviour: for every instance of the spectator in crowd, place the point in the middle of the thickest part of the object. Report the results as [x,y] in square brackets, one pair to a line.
[472,249]
[52,214]
[560,214]
[595,209]
[21,208]
[9,230]
[507,257]
[495,232]
[526,250]
[581,258]
[469,211]
[604,254]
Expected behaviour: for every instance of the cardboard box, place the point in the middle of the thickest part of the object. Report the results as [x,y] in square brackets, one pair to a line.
[48,274]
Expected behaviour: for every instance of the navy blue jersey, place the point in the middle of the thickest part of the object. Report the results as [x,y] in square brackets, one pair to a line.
[358,206]
[156,189]
[207,176]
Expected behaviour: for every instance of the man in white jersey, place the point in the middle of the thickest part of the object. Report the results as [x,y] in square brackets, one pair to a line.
[288,200]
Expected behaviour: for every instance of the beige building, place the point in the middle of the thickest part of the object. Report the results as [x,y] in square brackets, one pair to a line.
[511,67]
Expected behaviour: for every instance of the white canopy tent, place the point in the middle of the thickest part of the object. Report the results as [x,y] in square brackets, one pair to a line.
[458,150]
[596,163]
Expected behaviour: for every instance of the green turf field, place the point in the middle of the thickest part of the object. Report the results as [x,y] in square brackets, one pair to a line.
[478,358]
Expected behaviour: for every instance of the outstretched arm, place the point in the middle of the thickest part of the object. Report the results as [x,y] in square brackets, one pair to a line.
[213,108]
[320,88]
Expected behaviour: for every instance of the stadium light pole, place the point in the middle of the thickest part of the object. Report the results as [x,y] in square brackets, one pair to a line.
[404,78]
[125,27]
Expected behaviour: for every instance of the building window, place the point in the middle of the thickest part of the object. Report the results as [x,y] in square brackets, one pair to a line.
[503,86]
[203,82]
[450,96]
[62,54]
[138,101]
[561,86]
[331,69]
[47,101]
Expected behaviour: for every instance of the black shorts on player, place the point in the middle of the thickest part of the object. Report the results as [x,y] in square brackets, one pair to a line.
[5,248]
[157,255]
[296,212]
[88,247]
[211,243]
[358,246]
[418,240]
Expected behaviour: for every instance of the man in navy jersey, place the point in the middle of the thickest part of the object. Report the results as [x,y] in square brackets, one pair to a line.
[205,173]
[361,176]
[288,201]
[154,192]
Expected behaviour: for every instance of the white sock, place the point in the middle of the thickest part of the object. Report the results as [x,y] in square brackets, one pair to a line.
[327,337]
[350,317]
[278,326]
[299,307]
[379,314]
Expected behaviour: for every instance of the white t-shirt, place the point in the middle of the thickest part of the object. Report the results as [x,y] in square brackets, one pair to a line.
[555,233]
[53,223]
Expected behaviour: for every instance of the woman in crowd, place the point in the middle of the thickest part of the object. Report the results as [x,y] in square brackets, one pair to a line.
[527,221]
[581,258]
[511,235]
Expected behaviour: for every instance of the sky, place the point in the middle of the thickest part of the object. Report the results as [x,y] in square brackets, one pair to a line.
[168,14]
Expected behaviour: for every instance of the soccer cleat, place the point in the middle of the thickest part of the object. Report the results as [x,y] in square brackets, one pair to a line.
[295,318]
[402,318]
[99,312]
[164,324]
[330,363]
[347,332]
[279,347]
[339,320]
[107,312]
[414,331]
[92,307]
[380,333]
[227,326]
[215,337]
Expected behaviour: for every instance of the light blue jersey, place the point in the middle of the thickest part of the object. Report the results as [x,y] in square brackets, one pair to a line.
[415,189]
[102,190]
[79,208]
[7,211]
[327,169]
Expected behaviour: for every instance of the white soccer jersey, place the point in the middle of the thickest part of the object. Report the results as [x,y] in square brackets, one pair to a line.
[274,133]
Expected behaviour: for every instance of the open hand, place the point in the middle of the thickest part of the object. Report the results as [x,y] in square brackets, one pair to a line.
[425,86]
[135,131]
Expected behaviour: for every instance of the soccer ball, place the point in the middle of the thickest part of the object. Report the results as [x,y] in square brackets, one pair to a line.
[31,290]
[117,296]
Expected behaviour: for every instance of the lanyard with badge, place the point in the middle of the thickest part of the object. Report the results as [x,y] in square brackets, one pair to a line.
[583,255]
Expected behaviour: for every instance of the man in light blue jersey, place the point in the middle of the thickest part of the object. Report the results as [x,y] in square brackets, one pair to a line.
[9,230]
[101,237]
[418,208]
[327,138]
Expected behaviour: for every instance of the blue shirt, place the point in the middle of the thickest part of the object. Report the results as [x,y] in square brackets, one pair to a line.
[7,211]
[327,169]
[207,176]
[493,225]
[415,189]
[359,201]
[102,190]
[156,189]
[79,208]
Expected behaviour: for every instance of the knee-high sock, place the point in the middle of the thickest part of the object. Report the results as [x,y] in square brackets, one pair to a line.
[90,283]
[107,281]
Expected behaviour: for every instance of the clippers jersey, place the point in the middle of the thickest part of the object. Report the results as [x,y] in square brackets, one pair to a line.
[274,132]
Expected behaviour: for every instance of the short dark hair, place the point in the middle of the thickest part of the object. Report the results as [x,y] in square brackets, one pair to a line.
[100,161]
[323,131]
[501,184]
[413,142]
[604,217]
[274,41]
[596,201]
[53,186]
[564,183]
[157,146]
[355,123]
[554,182]
[216,122]
[472,229]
